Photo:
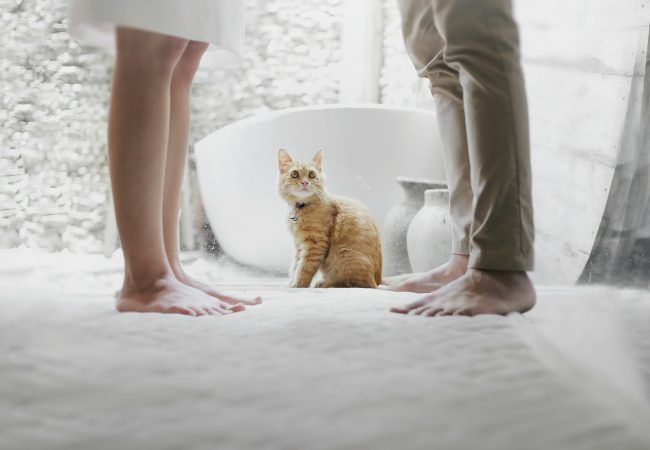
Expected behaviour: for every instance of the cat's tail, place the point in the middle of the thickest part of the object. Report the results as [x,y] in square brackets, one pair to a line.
[397,279]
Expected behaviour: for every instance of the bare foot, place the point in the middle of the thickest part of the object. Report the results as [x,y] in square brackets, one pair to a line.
[168,295]
[477,292]
[231,298]
[434,279]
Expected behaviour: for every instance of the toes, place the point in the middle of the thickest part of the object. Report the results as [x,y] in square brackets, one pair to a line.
[250,302]
[396,288]
[220,311]
[408,308]
[421,310]
[409,287]
[198,311]
[404,309]
[433,312]
[234,308]
[415,287]
[182,310]
[239,301]
[402,287]
[415,305]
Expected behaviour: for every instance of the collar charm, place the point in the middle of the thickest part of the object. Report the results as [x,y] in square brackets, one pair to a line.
[297,207]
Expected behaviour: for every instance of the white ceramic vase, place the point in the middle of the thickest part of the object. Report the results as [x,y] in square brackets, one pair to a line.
[396,223]
[429,234]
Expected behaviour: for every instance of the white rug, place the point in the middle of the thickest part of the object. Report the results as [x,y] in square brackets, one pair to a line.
[313,369]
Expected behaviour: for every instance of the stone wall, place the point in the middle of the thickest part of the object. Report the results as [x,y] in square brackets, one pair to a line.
[53,105]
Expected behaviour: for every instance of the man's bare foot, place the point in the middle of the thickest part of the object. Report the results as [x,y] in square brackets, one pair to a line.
[168,295]
[230,298]
[477,292]
[434,279]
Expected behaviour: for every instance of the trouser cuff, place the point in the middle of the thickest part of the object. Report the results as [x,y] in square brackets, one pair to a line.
[516,262]
[460,248]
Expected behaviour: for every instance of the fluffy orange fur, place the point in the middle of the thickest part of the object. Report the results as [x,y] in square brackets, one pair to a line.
[333,234]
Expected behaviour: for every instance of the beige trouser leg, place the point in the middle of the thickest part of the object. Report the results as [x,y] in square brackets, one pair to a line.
[469,50]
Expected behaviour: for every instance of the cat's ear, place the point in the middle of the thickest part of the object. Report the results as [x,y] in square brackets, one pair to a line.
[284,160]
[318,159]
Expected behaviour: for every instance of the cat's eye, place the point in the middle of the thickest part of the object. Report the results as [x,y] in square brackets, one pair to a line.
[312,174]
[294,174]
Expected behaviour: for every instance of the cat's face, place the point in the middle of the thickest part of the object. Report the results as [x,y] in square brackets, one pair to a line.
[300,181]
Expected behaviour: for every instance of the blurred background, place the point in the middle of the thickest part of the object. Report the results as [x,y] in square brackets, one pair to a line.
[54,106]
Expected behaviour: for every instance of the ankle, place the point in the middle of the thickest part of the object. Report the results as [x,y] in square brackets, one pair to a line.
[177,269]
[457,264]
[504,276]
[147,281]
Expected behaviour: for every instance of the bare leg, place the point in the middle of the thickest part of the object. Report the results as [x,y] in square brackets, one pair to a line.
[434,279]
[138,133]
[181,83]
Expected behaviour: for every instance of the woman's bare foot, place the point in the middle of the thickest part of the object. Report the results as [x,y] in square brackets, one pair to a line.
[477,292]
[434,279]
[168,295]
[230,298]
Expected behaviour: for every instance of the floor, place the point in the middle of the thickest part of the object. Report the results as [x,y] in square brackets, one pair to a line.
[317,369]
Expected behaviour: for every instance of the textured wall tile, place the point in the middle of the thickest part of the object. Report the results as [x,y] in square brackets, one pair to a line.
[53,104]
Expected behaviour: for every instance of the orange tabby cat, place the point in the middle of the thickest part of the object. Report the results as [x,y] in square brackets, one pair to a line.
[333,234]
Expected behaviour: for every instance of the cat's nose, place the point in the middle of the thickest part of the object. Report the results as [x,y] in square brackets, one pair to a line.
[305,183]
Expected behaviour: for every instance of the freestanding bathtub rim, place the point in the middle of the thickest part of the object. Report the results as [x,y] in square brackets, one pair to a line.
[266,115]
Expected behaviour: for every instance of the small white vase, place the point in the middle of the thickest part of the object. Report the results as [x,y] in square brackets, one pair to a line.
[429,236]
[396,223]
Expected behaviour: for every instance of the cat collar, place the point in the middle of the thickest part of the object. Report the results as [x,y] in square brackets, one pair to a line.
[298,206]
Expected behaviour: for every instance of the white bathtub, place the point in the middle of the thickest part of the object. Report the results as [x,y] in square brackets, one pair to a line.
[366,147]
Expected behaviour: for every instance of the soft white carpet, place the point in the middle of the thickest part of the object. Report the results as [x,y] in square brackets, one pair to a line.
[313,369]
